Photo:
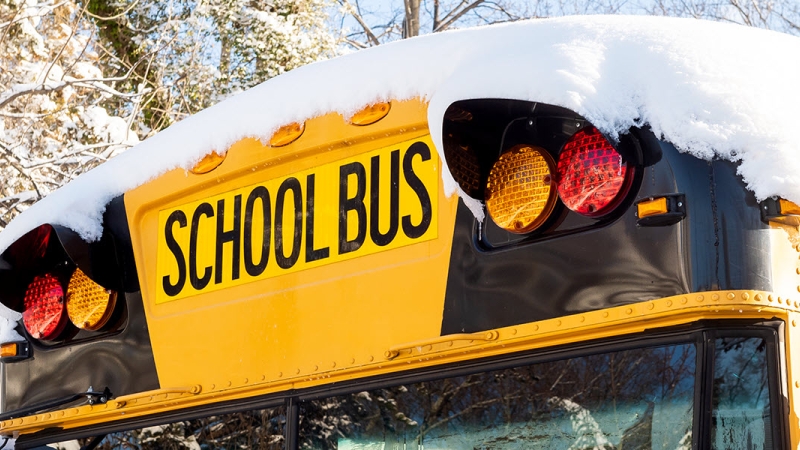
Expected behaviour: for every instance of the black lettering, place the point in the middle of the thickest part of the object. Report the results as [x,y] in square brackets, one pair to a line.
[289,184]
[234,236]
[170,289]
[255,269]
[411,230]
[198,283]
[379,238]
[352,204]
[312,254]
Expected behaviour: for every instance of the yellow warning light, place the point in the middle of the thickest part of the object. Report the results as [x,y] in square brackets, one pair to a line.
[371,114]
[652,207]
[8,349]
[209,162]
[287,134]
[89,305]
[520,192]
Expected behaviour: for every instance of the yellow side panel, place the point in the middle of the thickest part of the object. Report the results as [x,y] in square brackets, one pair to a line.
[334,293]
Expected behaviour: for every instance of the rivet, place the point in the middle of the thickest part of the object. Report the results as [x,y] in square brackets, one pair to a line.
[795,304]
[333,364]
[583,319]
[513,331]
[229,384]
[794,323]
[213,386]
[246,380]
[280,374]
[797,384]
[759,297]
[797,270]
[669,302]
[316,368]
[629,311]
[34,418]
[75,411]
[558,323]
[47,416]
[352,360]
[297,371]
[745,295]
[684,300]
[731,295]
[264,377]
[650,306]
[780,300]
[605,314]
[450,344]
[715,297]
[771,298]
[428,348]
[699,298]
[371,358]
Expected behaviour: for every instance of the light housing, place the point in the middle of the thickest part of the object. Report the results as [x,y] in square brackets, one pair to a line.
[593,177]
[208,163]
[89,305]
[44,315]
[520,191]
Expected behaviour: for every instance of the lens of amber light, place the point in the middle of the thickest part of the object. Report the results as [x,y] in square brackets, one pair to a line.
[287,134]
[371,114]
[520,194]
[209,162]
[89,305]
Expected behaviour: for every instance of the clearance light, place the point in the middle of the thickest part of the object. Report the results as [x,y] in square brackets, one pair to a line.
[520,194]
[7,350]
[371,114]
[592,176]
[287,134]
[14,351]
[209,162]
[780,210]
[89,305]
[652,207]
[44,316]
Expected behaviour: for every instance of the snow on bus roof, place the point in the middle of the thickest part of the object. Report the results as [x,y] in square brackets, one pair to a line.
[714,90]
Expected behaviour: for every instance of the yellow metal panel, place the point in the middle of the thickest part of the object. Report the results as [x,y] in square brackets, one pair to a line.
[315,315]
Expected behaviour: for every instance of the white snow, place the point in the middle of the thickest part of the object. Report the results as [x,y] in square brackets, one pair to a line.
[714,90]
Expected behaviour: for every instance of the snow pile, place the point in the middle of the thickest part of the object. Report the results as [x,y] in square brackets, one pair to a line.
[714,90]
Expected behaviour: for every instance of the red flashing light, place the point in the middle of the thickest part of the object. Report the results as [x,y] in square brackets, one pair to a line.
[592,176]
[44,315]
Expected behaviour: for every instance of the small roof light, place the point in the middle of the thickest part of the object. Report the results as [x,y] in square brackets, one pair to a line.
[287,134]
[209,162]
[371,114]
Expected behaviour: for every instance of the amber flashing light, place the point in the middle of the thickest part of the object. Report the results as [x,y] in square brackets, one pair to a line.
[89,305]
[8,350]
[520,193]
[371,114]
[287,134]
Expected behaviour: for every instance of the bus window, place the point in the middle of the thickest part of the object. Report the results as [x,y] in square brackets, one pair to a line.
[640,398]
[740,401]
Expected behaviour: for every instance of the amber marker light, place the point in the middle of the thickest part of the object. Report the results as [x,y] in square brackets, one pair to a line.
[8,350]
[89,305]
[520,193]
[287,134]
[209,162]
[371,114]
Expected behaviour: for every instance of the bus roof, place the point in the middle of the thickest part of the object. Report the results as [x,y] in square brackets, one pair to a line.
[715,90]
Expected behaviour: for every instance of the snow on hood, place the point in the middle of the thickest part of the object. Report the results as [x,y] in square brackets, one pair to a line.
[713,90]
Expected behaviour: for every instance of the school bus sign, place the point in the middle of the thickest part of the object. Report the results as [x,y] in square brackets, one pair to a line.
[373,202]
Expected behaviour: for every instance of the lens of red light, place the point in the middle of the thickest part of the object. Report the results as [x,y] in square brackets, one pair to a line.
[592,176]
[44,316]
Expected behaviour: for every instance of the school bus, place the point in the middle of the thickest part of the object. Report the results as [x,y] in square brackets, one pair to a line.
[320,290]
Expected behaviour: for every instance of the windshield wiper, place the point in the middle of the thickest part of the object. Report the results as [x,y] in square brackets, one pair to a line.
[92,398]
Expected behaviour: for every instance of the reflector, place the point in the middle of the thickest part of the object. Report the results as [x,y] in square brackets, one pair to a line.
[519,192]
[592,176]
[44,316]
[89,305]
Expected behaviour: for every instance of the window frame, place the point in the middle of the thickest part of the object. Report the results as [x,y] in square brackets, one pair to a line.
[701,333]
